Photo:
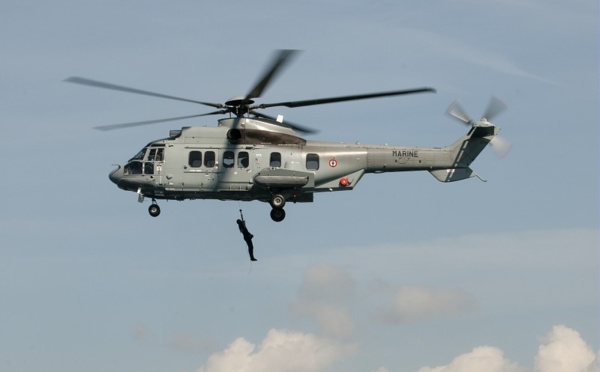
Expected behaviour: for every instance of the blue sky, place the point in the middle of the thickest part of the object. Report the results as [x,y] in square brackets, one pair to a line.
[403,273]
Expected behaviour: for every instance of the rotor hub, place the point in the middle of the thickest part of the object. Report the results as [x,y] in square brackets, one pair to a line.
[239,101]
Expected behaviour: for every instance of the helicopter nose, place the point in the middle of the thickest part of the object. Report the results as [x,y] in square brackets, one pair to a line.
[116,175]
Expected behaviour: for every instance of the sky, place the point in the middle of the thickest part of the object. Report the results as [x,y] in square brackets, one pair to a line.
[404,273]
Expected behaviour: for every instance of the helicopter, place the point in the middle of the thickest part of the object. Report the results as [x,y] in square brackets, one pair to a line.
[253,156]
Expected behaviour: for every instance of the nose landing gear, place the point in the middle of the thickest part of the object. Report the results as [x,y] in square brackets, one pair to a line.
[154,209]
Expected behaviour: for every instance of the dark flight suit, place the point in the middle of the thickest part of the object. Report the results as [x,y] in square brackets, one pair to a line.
[247,238]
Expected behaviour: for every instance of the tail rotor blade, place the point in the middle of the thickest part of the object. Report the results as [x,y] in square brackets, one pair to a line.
[501,146]
[457,111]
[495,108]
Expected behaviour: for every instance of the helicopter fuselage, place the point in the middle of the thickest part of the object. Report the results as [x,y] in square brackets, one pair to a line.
[259,159]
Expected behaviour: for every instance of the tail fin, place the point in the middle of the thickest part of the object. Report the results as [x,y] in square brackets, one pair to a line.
[464,151]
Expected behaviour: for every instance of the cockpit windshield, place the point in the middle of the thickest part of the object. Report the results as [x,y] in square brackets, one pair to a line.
[139,155]
[144,161]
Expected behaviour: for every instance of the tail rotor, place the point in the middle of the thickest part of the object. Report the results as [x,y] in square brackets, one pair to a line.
[500,145]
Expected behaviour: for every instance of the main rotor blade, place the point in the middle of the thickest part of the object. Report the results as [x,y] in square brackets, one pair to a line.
[282,58]
[495,108]
[146,122]
[100,84]
[321,101]
[296,127]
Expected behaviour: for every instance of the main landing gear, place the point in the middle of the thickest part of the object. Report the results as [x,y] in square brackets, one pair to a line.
[154,209]
[277,202]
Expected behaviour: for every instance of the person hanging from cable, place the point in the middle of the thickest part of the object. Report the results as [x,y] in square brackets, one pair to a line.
[247,236]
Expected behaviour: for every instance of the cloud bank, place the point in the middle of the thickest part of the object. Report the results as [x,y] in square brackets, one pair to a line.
[281,350]
[563,350]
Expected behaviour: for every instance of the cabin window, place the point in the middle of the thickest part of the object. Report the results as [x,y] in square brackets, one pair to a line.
[195,159]
[275,160]
[209,159]
[312,161]
[243,159]
[228,160]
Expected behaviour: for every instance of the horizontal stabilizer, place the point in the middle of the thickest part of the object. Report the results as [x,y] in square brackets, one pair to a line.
[453,174]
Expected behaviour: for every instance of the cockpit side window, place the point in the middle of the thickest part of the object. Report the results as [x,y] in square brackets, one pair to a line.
[151,154]
[134,167]
[148,168]
[160,154]
[156,154]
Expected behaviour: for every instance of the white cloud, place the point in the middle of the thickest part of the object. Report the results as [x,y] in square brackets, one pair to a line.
[565,350]
[483,358]
[413,303]
[280,351]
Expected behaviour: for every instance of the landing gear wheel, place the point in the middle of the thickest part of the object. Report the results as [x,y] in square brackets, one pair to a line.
[277,201]
[154,210]
[277,214]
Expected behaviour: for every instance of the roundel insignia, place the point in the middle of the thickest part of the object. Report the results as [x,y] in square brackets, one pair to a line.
[333,163]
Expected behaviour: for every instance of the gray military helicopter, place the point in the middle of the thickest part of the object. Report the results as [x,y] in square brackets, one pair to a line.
[253,156]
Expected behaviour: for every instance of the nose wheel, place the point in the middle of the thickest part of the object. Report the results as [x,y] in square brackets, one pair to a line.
[154,209]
